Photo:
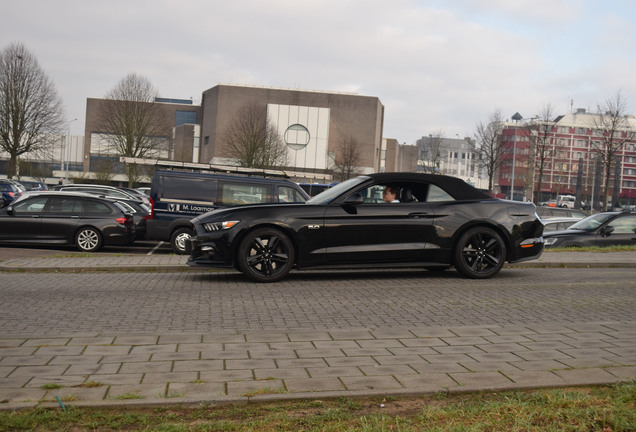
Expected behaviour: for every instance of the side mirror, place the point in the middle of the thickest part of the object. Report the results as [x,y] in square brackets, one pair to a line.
[354,199]
[607,231]
[10,210]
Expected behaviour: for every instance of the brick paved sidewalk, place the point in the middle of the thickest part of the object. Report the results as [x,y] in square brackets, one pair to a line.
[239,366]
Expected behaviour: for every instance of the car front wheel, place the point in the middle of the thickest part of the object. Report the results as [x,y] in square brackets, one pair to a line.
[480,253]
[178,240]
[265,255]
[88,239]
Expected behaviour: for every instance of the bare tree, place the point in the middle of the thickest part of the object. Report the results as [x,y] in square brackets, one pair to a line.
[31,113]
[542,144]
[347,160]
[612,128]
[253,141]
[132,123]
[430,151]
[489,145]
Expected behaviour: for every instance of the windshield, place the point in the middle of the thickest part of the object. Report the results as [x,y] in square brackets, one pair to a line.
[332,193]
[591,223]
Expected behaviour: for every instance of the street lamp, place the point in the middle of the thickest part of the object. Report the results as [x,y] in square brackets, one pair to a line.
[67,151]
[516,118]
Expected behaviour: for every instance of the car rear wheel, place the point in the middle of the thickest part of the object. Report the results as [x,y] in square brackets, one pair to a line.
[178,240]
[480,253]
[265,255]
[88,239]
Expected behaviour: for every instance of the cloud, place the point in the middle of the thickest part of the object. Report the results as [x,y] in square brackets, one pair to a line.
[434,65]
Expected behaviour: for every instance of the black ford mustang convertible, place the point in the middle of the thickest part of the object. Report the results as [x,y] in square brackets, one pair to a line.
[433,222]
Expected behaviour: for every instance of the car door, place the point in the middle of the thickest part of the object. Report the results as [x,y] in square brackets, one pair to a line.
[619,231]
[373,230]
[21,221]
[61,218]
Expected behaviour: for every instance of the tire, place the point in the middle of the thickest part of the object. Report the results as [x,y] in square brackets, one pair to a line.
[480,253]
[179,238]
[265,255]
[88,239]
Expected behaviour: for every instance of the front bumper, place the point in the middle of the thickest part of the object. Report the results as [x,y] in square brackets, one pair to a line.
[207,254]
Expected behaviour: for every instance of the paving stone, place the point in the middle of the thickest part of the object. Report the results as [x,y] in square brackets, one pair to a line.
[423,342]
[432,332]
[448,358]
[107,350]
[17,351]
[438,368]
[145,367]
[180,339]
[273,354]
[352,334]
[489,366]
[34,371]
[542,355]
[459,349]
[350,361]
[327,344]
[624,373]
[93,368]
[371,383]
[136,340]
[322,383]
[60,350]
[480,380]
[190,355]
[97,340]
[126,358]
[587,376]
[245,388]
[204,390]
[74,360]
[502,347]
[536,365]
[334,371]
[534,379]
[304,362]
[21,394]
[223,338]
[399,359]
[225,355]
[495,357]
[361,352]
[197,365]
[77,394]
[391,333]
[286,373]
[153,349]
[199,347]
[11,343]
[136,392]
[23,360]
[287,346]
[169,377]
[116,379]
[426,382]
[398,369]
[250,364]
[312,336]
[322,353]
[46,341]
[226,375]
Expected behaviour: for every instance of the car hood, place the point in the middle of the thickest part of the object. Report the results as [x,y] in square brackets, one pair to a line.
[234,210]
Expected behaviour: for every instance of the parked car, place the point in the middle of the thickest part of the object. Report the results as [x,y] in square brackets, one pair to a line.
[9,191]
[601,229]
[439,222]
[34,185]
[551,212]
[59,218]
[558,223]
[136,203]
[178,196]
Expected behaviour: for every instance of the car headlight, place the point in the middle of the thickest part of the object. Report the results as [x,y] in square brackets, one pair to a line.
[219,226]
[549,241]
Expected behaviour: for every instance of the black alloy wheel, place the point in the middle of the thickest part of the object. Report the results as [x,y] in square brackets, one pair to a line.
[178,240]
[480,253]
[265,255]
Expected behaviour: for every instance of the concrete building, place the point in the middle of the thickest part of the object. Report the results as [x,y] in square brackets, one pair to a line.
[574,140]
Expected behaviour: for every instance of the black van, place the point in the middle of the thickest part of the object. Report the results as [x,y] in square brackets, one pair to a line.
[179,196]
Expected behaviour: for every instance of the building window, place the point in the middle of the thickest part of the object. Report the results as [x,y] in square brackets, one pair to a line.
[185,117]
[206,140]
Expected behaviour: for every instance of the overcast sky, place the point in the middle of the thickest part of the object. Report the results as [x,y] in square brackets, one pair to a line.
[435,65]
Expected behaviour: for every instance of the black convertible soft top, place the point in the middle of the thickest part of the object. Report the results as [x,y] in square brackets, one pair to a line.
[457,188]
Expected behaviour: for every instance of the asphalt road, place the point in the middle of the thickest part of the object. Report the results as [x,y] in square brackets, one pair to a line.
[39,304]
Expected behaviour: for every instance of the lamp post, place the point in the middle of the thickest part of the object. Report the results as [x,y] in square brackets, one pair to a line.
[67,151]
[516,117]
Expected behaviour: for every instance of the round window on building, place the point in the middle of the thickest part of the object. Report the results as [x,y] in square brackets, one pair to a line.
[297,137]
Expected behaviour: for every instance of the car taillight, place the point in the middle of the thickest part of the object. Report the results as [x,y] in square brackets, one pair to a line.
[121,220]
[151,215]
[12,195]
